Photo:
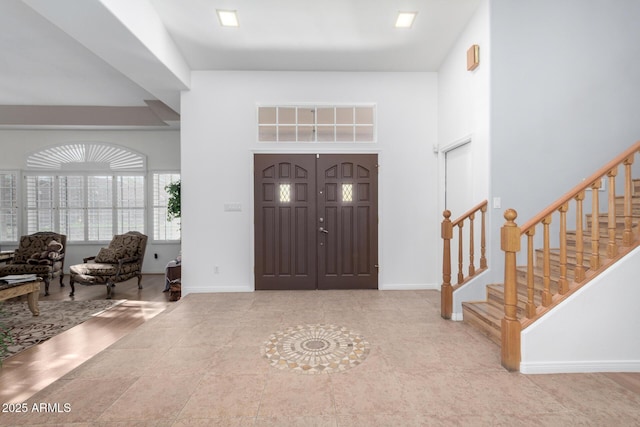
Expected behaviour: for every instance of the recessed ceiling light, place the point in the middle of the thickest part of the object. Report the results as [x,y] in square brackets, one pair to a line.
[405,19]
[228,18]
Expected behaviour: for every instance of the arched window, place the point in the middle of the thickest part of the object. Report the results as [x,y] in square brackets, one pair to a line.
[87,156]
[88,191]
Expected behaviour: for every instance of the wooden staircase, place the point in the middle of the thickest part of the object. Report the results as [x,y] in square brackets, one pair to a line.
[553,271]
[487,315]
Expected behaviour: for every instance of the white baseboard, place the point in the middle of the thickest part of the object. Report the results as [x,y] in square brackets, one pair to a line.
[456,317]
[578,367]
[247,288]
[409,287]
[208,290]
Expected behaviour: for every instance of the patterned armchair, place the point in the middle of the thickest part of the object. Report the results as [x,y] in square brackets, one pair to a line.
[118,262]
[41,254]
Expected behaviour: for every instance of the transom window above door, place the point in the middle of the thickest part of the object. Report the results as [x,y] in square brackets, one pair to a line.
[314,123]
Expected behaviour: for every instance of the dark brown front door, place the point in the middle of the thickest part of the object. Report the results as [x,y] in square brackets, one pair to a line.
[348,216]
[316,221]
[285,212]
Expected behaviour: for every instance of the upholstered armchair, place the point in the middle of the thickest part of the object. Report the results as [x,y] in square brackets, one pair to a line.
[41,254]
[120,261]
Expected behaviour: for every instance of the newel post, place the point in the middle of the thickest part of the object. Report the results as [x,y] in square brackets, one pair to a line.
[511,327]
[446,291]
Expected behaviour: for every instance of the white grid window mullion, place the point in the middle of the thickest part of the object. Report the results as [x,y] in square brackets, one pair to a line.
[115,183]
[348,129]
[163,229]
[56,203]
[8,206]
[70,199]
[85,206]
[130,203]
[335,124]
[38,208]
[315,124]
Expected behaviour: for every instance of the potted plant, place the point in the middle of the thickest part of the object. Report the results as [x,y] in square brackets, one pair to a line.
[173,204]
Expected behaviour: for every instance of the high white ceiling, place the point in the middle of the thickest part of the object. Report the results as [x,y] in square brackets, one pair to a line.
[130,53]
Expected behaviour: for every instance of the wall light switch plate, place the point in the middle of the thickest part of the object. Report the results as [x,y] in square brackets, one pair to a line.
[497,203]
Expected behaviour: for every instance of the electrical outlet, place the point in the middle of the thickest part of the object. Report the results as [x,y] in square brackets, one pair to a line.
[216,269]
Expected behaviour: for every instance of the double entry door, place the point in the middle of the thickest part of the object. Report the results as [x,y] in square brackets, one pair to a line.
[316,221]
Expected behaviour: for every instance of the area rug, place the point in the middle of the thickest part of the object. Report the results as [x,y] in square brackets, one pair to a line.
[55,317]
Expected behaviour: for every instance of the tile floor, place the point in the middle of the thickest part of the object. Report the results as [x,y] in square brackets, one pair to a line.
[199,364]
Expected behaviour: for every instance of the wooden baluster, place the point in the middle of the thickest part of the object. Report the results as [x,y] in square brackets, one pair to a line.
[531,305]
[612,246]
[460,274]
[483,240]
[563,284]
[546,264]
[579,271]
[595,226]
[446,291]
[472,268]
[627,235]
[510,327]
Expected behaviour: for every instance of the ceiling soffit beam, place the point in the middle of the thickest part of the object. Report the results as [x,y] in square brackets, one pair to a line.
[129,36]
[154,114]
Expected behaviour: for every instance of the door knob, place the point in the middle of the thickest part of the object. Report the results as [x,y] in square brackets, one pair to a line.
[322,230]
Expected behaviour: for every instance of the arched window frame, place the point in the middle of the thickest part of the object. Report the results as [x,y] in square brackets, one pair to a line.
[86,190]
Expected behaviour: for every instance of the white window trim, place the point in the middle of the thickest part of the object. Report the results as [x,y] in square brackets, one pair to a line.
[152,206]
[18,181]
[56,196]
[86,156]
[315,142]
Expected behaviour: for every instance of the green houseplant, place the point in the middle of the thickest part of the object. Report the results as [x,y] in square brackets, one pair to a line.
[173,204]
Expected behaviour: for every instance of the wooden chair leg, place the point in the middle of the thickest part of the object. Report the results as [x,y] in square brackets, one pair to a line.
[73,286]
[140,281]
[109,290]
[61,277]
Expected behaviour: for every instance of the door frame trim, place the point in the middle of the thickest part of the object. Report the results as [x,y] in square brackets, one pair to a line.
[442,158]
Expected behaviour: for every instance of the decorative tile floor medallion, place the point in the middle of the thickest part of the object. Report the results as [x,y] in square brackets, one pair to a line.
[315,349]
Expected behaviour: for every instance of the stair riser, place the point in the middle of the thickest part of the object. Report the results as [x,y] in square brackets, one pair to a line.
[491,331]
[496,298]
[635,206]
[538,280]
[603,222]
[554,260]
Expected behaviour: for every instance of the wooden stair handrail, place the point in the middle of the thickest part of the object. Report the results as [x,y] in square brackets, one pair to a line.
[599,256]
[446,289]
[586,183]
[468,213]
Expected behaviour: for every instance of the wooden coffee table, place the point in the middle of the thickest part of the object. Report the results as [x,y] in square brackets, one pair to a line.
[31,289]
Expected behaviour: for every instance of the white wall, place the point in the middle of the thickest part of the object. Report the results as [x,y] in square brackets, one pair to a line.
[564,91]
[595,330]
[219,140]
[162,149]
[564,97]
[463,114]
